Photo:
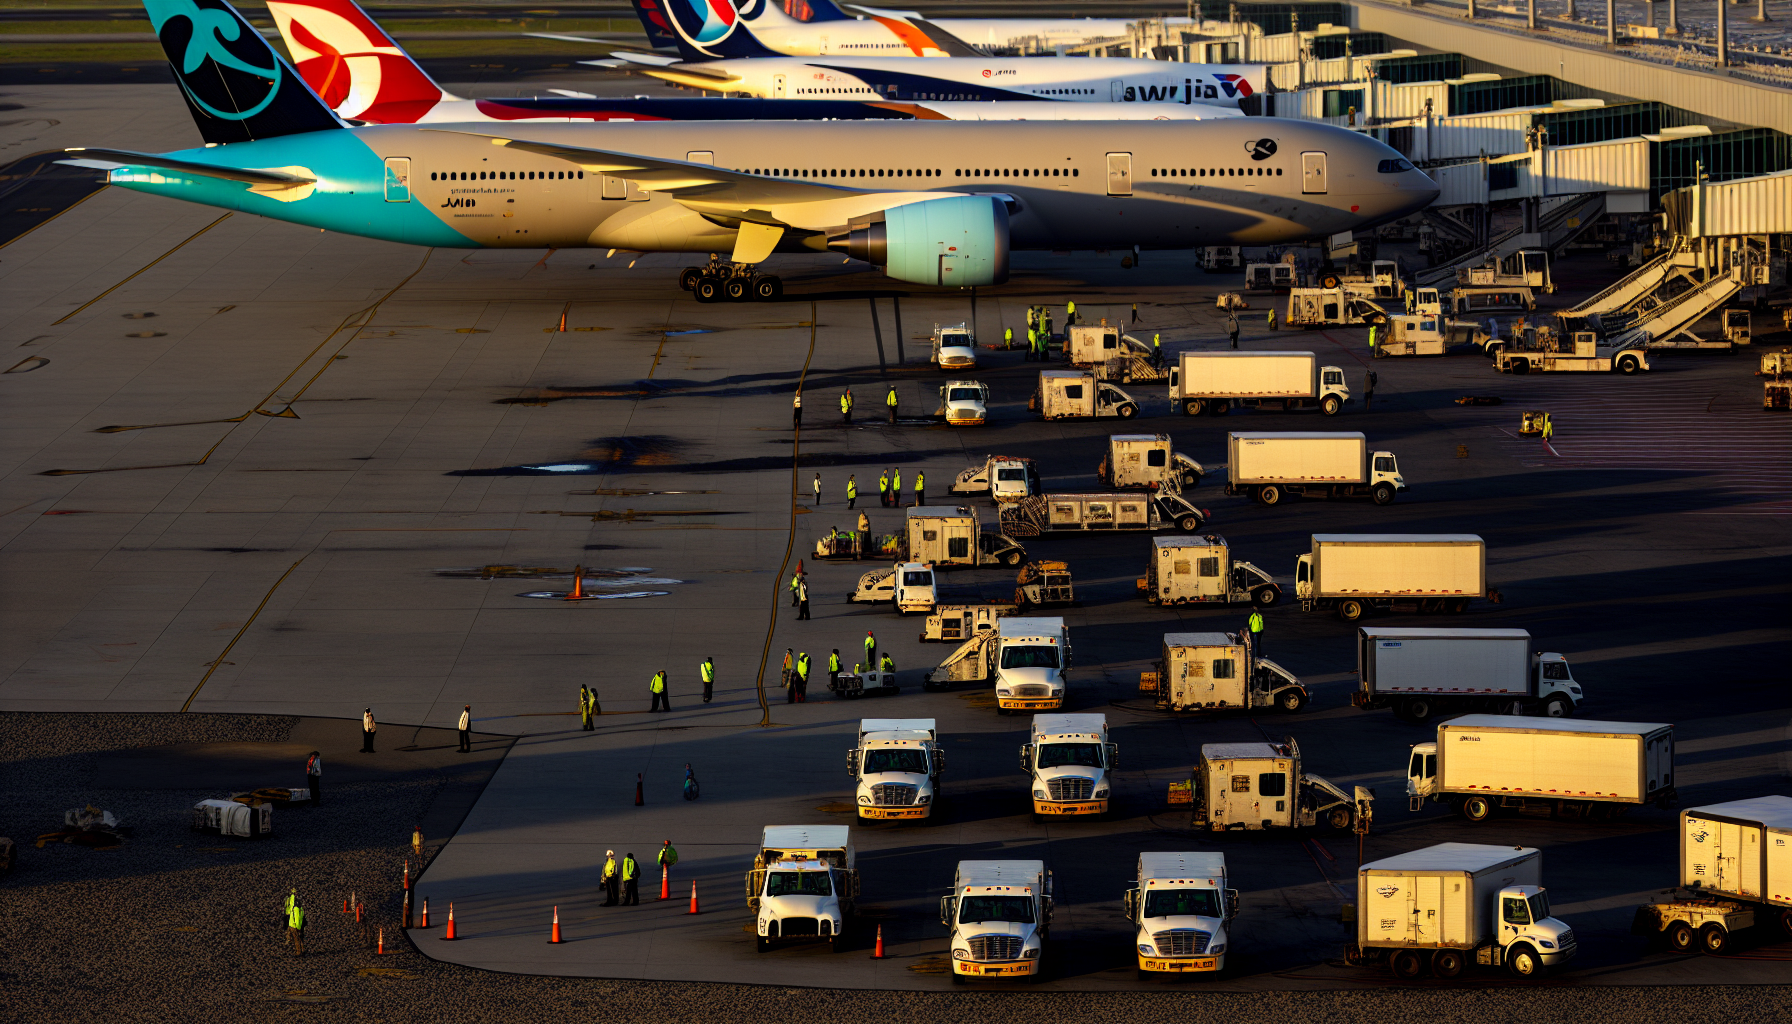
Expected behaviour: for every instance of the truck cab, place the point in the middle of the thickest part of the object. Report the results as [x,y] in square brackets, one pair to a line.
[913,588]
[1181,909]
[964,403]
[1557,689]
[1427,302]
[1031,659]
[802,884]
[1525,921]
[1002,477]
[1421,773]
[954,348]
[1068,762]
[1000,914]
[897,764]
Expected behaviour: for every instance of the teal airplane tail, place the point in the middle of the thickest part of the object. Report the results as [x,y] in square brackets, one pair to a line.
[237,87]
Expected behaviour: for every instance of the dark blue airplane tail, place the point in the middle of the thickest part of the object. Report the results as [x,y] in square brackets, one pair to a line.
[237,87]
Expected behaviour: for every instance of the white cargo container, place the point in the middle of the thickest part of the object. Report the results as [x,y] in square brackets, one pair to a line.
[1147,461]
[1356,573]
[802,884]
[1421,673]
[1000,915]
[1076,394]
[1449,905]
[1181,907]
[897,764]
[1270,466]
[1741,849]
[1215,381]
[1069,765]
[1484,764]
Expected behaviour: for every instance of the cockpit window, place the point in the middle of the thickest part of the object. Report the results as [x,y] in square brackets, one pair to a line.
[1392,166]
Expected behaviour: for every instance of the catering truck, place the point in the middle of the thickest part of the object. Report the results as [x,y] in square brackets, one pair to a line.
[1069,764]
[954,347]
[1735,872]
[1004,478]
[1000,914]
[802,884]
[1102,512]
[1357,573]
[1200,570]
[1271,466]
[1090,345]
[1078,395]
[1255,786]
[1218,672]
[1444,907]
[907,586]
[1482,765]
[947,536]
[1038,584]
[1147,462]
[1181,909]
[1421,673]
[1214,382]
[964,403]
[898,763]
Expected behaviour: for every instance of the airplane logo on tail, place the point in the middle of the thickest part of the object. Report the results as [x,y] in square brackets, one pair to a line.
[1235,85]
[352,63]
[209,33]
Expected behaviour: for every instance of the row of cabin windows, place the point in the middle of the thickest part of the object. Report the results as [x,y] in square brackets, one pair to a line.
[787,172]
[1053,172]
[837,92]
[504,175]
[1217,172]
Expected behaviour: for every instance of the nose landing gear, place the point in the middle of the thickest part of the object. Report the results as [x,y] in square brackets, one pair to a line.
[720,280]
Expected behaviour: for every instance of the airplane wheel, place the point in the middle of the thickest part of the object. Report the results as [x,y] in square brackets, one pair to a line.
[687,278]
[735,289]
[707,289]
[767,288]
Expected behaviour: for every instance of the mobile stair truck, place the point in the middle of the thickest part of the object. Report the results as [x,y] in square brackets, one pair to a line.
[1453,904]
[1735,872]
[1213,382]
[1270,466]
[802,884]
[1147,462]
[1078,395]
[1482,765]
[1356,573]
[1200,570]
[1069,765]
[1422,673]
[1219,671]
[1255,786]
[1181,908]
[898,763]
[1000,914]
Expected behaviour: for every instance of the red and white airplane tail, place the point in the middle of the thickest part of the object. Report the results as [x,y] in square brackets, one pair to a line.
[353,64]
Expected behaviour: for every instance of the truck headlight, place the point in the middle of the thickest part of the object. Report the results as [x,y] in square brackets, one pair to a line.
[1101,794]
[1147,949]
[1546,944]
[1039,794]
[925,798]
[864,799]
[1030,954]
[1000,692]
[762,926]
[1057,691]
[961,954]
[1217,948]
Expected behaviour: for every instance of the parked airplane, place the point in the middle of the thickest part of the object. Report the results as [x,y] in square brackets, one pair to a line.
[357,68]
[937,203]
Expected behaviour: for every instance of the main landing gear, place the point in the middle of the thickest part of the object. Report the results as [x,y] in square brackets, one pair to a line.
[720,280]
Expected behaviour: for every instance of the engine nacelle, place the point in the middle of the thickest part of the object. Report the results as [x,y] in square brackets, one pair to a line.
[957,242]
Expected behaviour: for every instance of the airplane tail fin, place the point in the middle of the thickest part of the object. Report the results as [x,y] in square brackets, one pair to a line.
[815,10]
[236,86]
[657,23]
[352,63]
[704,31]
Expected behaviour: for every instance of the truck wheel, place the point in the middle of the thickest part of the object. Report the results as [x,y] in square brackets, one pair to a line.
[1290,701]
[1406,964]
[1477,809]
[1013,558]
[1127,411]
[1331,406]
[1524,962]
[1266,596]
[1269,494]
[1188,524]
[1419,709]
[838,944]
[1221,407]
[1350,610]
[1193,407]
[1557,707]
[1680,937]
[1713,939]
[1383,494]
[1448,963]
[1627,365]
[1785,923]
[1338,818]
[1329,281]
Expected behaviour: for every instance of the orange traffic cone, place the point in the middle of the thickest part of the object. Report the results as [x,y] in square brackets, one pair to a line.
[345,904]
[407,874]
[694,896]
[562,326]
[359,906]
[665,882]
[577,593]
[556,936]
[381,950]
[878,953]
[449,934]
[425,922]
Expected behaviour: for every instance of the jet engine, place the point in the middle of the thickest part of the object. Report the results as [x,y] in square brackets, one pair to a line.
[956,242]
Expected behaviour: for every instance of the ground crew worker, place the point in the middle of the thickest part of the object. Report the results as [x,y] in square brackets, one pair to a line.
[896,487]
[1409,300]
[1157,350]
[661,700]
[708,671]
[1371,339]
[1232,327]
[817,488]
[864,534]
[1135,312]
[799,680]
[1070,314]
[585,707]
[1549,428]
[609,879]
[920,488]
[1032,344]
[1257,634]
[802,599]
[852,490]
[1368,389]
[846,405]
[368,728]
[1272,318]
[295,924]
[314,777]
[286,905]
[1007,337]
[870,648]
[890,403]
[886,665]
[784,679]
[668,856]
[883,488]
[796,412]
[834,668]
[465,727]
[1045,328]
[794,580]
[631,881]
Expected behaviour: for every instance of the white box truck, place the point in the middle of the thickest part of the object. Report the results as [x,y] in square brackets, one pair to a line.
[1422,673]
[802,884]
[898,762]
[1004,478]
[1181,908]
[954,347]
[1077,395]
[1000,915]
[1147,462]
[1453,904]
[1200,570]
[1069,764]
[964,403]
[1031,662]
[1357,573]
[1214,382]
[1735,873]
[1254,786]
[1217,672]
[1271,466]
[1484,764]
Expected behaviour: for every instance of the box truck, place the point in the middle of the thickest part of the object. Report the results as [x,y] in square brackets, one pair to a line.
[1181,907]
[1078,395]
[1200,570]
[1104,512]
[1449,905]
[1356,573]
[1031,663]
[1271,466]
[1217,672]
[898,762]
[964,403]
[999,914]
[1482,765]
[1004,478]
[1214,382]
[802,884]
[1254,786]
[1421,673]
[1735,872]
[1069,763]
[1147,462]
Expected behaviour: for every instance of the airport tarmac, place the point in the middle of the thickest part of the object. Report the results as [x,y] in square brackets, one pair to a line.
[332,438]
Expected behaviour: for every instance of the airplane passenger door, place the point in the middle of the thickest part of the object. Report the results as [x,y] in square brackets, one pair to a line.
[777,87]
[1116,90]
[1312,173]
[1119,174]
[398,179]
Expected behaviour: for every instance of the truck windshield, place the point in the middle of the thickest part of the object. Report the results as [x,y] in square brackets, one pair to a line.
[964,395]
[917,579]
[798,883]
[1058,755]
[978,909]
[1029,657]
[1182,903]
[955,340]
[1017,473]
[1540,906]
[909,759]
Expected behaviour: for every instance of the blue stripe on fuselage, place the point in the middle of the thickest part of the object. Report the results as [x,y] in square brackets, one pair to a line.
[350,195]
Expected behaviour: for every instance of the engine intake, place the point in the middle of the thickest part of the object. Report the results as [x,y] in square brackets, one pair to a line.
[956,242]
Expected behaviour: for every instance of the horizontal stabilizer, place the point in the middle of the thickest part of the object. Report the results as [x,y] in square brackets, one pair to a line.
[637,57]
[111,159]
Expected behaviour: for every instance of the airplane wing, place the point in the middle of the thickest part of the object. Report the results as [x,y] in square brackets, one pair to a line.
[112,159]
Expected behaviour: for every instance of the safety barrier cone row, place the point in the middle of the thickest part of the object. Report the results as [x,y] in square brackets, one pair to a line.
[556,935]
[694,896]
[449,934]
